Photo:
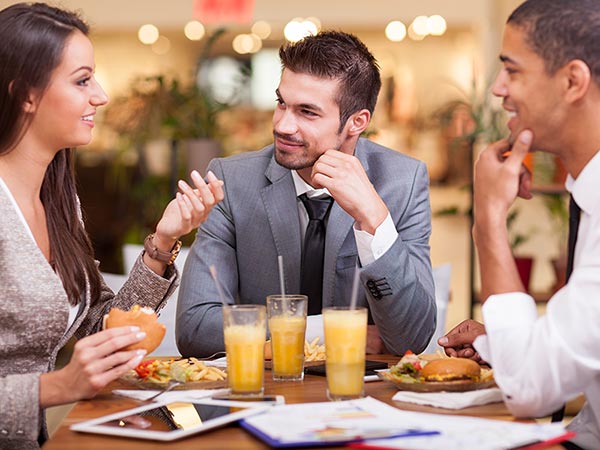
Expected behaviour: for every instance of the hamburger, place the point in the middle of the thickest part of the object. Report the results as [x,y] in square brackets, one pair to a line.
[145,319]
[451,369]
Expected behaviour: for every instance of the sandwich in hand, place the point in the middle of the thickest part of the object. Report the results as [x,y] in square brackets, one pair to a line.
[145,319]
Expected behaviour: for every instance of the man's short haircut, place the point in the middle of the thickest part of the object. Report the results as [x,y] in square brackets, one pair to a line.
[560,31]
[341,56]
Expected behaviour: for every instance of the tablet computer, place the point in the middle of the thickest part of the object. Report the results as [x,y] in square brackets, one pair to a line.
[167,421]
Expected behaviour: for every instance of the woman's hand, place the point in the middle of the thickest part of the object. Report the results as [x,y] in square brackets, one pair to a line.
[189,208]
[97,360]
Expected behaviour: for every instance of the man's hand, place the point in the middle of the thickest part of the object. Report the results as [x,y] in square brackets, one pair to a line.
[346,179]
[375,345]
[459,340]
[500,178]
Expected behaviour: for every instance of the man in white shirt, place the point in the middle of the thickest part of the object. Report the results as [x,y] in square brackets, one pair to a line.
[380,219]
[550,85]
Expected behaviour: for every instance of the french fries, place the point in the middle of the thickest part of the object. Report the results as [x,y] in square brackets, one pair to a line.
[313,351]
[185,370]
[196,370]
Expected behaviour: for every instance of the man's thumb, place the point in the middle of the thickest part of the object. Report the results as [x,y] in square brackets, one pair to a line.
[521,146]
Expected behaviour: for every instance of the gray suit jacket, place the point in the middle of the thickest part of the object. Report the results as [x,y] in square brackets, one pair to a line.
[33,322]
[258,220]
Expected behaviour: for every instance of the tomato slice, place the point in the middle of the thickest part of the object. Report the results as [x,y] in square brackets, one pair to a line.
[143,369]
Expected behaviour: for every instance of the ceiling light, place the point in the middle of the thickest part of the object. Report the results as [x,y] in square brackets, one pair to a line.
[148,34]
[262,29]
[299,28]
[395,31]
[420,26]
[194,30]
[436,25]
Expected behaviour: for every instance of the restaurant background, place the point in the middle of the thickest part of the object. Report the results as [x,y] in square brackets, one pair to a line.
[433,97]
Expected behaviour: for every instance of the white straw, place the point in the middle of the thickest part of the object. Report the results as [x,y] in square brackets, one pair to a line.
[213,272]
[281,281]
[354,288]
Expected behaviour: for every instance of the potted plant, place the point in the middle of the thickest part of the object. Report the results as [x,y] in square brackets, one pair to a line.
[557,206]
[153,118]
[516,239]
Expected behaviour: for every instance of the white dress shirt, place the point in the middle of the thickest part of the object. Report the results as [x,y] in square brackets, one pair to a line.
[541,362]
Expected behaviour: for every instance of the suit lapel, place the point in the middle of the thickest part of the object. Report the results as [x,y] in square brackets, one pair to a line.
[338,226]
[279,200]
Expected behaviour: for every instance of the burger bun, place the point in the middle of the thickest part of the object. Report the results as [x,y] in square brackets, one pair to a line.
[451,369]
[145,319]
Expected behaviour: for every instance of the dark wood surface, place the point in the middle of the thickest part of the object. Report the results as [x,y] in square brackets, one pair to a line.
[312,389]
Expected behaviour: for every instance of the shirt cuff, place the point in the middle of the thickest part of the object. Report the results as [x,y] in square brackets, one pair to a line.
[510,310]
[370,247]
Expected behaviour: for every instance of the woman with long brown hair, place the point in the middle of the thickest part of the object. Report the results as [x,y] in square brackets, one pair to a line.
[50,285]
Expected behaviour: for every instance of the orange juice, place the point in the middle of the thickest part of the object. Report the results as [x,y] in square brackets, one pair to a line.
[287,344]
[244,346]
[244,332]
[345,345]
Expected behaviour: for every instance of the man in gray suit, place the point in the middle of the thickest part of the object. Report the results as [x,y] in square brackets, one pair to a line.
[380,219]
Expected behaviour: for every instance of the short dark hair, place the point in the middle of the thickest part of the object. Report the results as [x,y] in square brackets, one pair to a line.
[560,31]
[342,56]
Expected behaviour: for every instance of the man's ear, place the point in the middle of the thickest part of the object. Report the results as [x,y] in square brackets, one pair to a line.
[358,122]
[579,77]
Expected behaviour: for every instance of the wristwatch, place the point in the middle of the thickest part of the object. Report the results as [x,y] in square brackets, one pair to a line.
[155,253]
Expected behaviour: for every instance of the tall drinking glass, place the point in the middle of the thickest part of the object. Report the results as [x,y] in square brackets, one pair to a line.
[287,325]
[345,345]
[244,330]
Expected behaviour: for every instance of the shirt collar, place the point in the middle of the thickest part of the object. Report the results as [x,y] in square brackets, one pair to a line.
[586,186]
[302,187]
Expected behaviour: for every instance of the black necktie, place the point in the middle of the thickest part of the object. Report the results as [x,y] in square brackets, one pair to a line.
[311,275]
[574,216]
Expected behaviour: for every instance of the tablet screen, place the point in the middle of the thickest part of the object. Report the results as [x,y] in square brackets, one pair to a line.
[172,416]
[166,421]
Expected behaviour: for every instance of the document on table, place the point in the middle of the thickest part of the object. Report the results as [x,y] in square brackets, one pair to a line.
[328,423]
[463,432]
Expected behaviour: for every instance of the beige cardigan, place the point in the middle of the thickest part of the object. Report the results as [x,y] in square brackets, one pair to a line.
[33,322]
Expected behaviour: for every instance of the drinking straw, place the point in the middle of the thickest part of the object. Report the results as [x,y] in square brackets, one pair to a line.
[281,282]
[213,272]
[355,288]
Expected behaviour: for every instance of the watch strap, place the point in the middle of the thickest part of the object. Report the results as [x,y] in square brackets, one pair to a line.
[159,255]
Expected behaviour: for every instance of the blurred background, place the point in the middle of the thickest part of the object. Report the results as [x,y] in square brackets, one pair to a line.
[190,80]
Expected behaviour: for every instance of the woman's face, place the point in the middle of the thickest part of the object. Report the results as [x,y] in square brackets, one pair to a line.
[64,115]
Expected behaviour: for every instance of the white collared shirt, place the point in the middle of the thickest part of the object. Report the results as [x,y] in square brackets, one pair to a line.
[540,362]
[370,247]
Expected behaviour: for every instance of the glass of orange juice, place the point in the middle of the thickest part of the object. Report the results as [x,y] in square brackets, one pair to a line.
[244,330]
[345,345]
[287,325]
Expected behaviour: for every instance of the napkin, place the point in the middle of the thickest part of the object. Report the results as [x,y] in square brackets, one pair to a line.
[451,400]
[191,394]
[219,362]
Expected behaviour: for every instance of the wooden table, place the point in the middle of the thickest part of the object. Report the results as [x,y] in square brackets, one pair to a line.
[312,389]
